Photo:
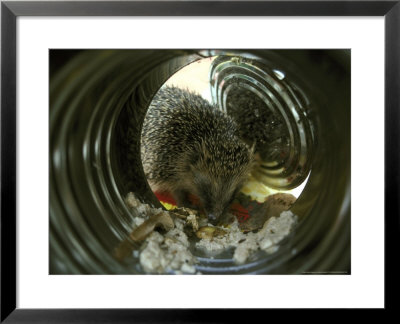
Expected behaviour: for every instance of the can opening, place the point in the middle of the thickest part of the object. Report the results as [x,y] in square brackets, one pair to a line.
[264,118]
[261,117]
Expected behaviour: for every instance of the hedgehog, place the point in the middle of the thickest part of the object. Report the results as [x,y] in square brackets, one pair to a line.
[190,147]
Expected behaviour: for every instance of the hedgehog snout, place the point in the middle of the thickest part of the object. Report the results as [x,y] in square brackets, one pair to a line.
[214,214]
[212,218]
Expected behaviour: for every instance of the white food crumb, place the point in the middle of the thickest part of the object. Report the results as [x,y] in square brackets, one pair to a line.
[192,220]
[244,249]
[138,221]
[131,200]
[186,268]
[170,252]
[167,253]
[273,231]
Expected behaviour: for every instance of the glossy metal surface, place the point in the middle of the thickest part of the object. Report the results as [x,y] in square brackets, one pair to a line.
[271,111]
[96,94]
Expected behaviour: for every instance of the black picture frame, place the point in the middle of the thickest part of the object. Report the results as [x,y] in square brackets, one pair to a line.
[10,10]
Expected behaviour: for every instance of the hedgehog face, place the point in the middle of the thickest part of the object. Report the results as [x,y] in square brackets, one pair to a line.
[216,189]
[215,194]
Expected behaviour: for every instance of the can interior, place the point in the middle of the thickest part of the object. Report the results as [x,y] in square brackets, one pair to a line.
[92,167]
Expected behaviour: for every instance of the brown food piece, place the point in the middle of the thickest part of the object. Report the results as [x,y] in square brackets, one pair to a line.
[279,202]
[162,219]
[184,212]
[260,213]
[209,232]
[124,249]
